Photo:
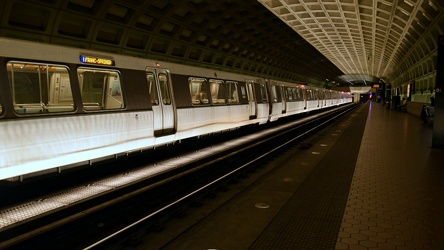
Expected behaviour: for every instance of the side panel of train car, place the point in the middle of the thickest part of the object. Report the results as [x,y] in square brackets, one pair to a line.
[61,106]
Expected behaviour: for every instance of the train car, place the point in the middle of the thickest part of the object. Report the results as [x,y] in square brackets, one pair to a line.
[286,99]
[63,107]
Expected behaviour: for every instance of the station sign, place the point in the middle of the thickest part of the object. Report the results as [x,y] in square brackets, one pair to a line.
[97,60]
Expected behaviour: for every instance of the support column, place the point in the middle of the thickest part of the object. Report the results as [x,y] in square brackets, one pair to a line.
[438,124]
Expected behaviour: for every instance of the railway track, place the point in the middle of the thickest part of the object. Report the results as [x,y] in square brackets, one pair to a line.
[142,199]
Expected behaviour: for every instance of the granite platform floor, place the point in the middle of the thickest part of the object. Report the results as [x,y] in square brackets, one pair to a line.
[396,199]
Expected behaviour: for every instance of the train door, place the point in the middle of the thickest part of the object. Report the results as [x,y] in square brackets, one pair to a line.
[164,113]
[284,100]
[321,98]
[316,96]
[251,100]
[276,102]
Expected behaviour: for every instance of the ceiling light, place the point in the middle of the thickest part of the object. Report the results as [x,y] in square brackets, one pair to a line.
[405,12]
[409,3]
[433,5]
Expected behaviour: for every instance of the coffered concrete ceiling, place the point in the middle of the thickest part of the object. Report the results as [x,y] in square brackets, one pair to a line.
[365,38]
[308,41]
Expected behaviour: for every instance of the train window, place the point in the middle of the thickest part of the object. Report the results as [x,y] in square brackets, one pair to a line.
[263,92]
[289,94]
[164,89]
[297,94]
[101,89]
[218,91]
[308,94]
[40,88]
[233,94]
[198,91]
[154,97]
[313,95]
[321,95]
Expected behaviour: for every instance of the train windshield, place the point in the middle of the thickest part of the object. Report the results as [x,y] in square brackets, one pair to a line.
[40,88]
[101,89]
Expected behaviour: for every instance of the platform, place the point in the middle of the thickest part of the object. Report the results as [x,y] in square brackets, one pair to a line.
[371,181]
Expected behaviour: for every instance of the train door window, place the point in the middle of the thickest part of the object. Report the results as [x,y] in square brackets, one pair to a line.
[164,88]
[218,91]
[282,93]
[198,91]
[250,93]
[274,93]
[151,79]
[233,95]
[243,92]
[101,89]
[40,88]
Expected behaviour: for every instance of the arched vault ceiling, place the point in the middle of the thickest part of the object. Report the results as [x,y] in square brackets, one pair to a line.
[355,39]
[367,37]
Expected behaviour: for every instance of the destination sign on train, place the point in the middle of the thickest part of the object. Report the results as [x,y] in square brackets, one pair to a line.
[96,60]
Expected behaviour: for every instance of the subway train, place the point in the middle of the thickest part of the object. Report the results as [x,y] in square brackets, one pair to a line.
[62,107]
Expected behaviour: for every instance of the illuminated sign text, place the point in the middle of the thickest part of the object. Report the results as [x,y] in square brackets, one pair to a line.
[96,60]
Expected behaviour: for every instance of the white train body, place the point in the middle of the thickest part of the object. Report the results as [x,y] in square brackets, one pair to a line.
[61,107]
